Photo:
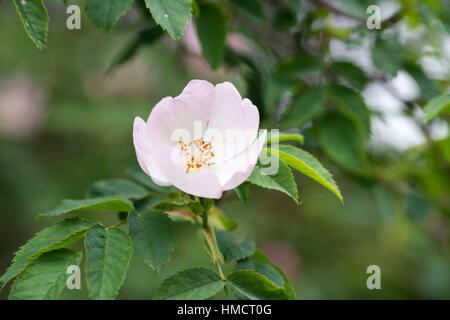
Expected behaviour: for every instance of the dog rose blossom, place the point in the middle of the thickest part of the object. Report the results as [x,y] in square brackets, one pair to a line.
[204,142]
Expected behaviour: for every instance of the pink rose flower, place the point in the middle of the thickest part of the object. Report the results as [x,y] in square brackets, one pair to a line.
[204,142]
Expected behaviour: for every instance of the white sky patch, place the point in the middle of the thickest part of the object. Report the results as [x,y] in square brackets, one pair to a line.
[435,68]
[359,55]
[378,98]
[405,86]
[439,129]
[397,131]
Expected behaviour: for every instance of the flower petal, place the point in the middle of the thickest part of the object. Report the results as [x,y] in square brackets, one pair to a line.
[186,115]
[237,119]
[198,94]
[144,153]
[235,171]
[203,183]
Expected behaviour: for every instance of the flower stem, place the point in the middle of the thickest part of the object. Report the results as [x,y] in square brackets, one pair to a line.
[211,241]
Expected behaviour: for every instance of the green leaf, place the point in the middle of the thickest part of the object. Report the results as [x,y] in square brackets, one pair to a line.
[428,87]
[33,15]
[190,284]
[254,76]
[51,238]
[145,37]
[303,108]
[437,106]
[45,278]
[283,180]
[108,255]
[219,220]
[298,65]
[350,72]
[259,263]
[105,13]
[99,203]
[383,57]
[283,137]
[171,15]
[352,105]
[253,8]
[352,7]
[211,31]
[145,180]
[308,165]
[170,206]
[118,188]
[153,236]
[254,286]
[341,140]
[243,192]
[233,250]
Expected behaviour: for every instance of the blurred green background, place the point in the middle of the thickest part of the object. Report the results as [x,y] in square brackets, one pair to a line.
[65,124]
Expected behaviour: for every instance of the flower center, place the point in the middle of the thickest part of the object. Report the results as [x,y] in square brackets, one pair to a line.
[198,153]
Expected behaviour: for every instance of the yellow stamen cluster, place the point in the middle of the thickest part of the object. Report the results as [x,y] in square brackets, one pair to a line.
[198,153]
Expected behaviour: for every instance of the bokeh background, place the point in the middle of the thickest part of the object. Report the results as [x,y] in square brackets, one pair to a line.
[65,124]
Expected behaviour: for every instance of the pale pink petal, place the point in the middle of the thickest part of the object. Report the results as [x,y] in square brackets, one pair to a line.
[203,183]
[235,171]
[198,94]
[191,108]
[238,119]
[144,152]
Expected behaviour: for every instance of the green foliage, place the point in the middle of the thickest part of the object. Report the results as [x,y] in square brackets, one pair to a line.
[219,220]
[105,13]
[355,8]
[303,108]
[45,277]
[252,8]
[243,192]
[308,165]
[170,206]
[233,250]
[351,73]
[437,106]
[254,78]
[417,206]
[283,137]
[211,30]
[383,56]
[299,65]
[99,203]
[171,15]
[352,105]
[119,188]
[428,88]
[153,237]
[283,180]
[282,55]
[64,2]
[51,238]
[108,255]
[190,284]
[146,36]
[259,263]
[253,286]
[142,178]
[33,15]
[343,142]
